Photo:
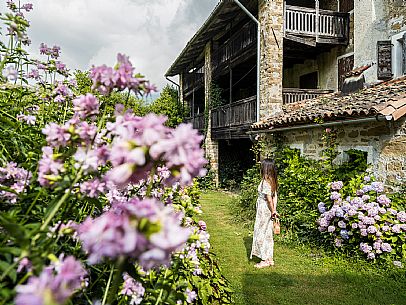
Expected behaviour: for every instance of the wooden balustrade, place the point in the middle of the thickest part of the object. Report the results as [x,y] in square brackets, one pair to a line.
[239,113]
[316,23]
[245,38]
[292,95]
[198,121]
[193,79]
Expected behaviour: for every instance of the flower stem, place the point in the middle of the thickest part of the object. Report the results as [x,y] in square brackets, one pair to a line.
[108,285]
[117,279]
[162,290]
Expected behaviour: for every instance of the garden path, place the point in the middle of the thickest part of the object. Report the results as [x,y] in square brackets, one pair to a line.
[299,277]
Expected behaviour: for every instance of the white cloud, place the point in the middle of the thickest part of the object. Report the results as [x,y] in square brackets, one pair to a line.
[151,32]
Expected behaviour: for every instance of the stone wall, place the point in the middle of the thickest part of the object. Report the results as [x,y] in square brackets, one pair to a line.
[270,14]
[384,142]
[211,146]
[375,20]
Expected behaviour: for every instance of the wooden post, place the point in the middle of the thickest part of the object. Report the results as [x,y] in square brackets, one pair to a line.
[317,20]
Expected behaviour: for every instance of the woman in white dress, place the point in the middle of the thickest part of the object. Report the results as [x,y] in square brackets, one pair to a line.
[262,245]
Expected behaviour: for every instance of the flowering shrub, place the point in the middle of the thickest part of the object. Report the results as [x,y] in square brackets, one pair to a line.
[367,222]
[96,204]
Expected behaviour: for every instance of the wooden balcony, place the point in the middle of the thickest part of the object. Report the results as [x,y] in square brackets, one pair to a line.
[193,80]
[235,114]
[292,95]
[312,26]
[236,47]
[198,121]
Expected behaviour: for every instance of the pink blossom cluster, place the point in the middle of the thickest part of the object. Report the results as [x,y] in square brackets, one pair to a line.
[142,229]
[367,218]
[133,290]
[54,52]
[29,119]
[122,76]
[16,179]
[55,285]
[140,143]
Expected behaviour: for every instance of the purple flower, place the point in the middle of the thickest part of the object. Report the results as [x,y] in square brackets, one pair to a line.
[336,186]
[202,225]
[190,295]
[24,264]
[397,264]
[396,228]
[56,135]
[364,247]
[367,178]
[371,255]
[344,234]
[322,207]
[54,52]
[331,229]
[34,74]
[93,188]
[354,225]
[48,167]
[11,74]
[386,247]
[385,228]
[365,198]
[364,232]
[133,289]
[383,200]
[27,7]
[29,119]
[342,224]
[14,178]
[86,105]
[335,196]
[372,230]
[377,187]
[401,216]
[117,232]
[50,287]
[43,49]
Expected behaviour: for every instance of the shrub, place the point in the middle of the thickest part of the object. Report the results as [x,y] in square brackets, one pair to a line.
[96,203]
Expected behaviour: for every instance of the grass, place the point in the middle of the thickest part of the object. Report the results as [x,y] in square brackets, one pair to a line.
[299,277]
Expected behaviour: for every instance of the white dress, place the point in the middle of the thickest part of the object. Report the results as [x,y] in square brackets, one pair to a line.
[262,244]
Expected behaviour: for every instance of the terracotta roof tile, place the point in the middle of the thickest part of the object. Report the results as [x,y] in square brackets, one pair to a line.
[386,98]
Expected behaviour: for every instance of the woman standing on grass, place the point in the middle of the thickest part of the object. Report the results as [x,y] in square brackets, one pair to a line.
[262,245]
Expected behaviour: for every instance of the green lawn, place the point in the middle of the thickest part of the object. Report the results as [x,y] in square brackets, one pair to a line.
[299,277]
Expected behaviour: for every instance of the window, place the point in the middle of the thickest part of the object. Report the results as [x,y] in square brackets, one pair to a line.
[398,45]
[346,5]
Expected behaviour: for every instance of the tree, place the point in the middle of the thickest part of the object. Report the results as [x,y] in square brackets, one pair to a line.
[168,104]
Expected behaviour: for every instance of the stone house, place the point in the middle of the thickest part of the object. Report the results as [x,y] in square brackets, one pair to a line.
[275,67]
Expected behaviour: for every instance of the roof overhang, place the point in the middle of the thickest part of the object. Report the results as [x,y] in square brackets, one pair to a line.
[219,19]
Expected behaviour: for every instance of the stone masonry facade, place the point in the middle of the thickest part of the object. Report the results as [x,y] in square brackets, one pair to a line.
[270,14]
[384,143]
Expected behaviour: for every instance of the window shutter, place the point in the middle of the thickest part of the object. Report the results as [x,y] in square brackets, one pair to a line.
[384,60]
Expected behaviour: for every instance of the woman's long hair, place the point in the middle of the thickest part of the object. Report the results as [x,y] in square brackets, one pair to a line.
[269,174]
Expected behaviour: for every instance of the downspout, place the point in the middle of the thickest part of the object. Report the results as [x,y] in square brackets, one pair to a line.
[180,103]
[379,118]
[177,85]
[258,50]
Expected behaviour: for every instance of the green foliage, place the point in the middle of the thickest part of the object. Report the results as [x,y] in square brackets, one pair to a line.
[168,104]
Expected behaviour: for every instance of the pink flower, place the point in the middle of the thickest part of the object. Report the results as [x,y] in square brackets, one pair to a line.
[86,105]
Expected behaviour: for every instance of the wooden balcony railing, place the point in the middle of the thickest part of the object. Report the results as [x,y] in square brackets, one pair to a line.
[245,38]
[235,114]
[321,24]
[292,95]
[197,121]
[193,79]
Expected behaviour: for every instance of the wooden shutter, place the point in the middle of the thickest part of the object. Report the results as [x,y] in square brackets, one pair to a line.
[345,65]
[384,60]
[346,5]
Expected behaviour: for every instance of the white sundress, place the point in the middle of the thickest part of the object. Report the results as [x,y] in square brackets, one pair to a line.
[262,244]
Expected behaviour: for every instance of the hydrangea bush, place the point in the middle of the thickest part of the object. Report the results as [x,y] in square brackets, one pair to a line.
[96,206]
[367,222]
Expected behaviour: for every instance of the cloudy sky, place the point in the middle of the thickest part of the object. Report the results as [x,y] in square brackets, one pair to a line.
[151,32]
